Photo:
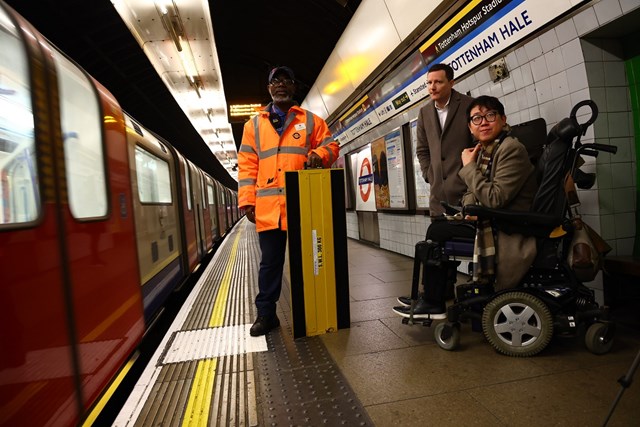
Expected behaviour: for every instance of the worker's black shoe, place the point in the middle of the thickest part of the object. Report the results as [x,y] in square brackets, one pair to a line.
[263,325]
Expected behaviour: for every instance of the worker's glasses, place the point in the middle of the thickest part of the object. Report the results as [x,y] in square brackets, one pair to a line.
[489,117]
[276,82]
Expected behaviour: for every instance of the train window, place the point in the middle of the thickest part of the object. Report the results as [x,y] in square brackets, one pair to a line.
[154,182]
[210,194]
[81,121]
[19,194]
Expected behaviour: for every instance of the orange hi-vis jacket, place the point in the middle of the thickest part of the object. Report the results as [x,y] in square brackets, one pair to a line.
[265,156]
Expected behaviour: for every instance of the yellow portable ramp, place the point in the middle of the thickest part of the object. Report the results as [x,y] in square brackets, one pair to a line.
[317,233]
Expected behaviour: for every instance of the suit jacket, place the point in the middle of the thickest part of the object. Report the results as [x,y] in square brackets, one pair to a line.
[439,150]
[511,185]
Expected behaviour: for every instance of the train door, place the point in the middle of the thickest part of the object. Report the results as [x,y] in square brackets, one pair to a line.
[32,288]
[188,222]
[222,217]
[206,218]
[198,198]
[227,195]
[156,208]
[213,214]
[66,236]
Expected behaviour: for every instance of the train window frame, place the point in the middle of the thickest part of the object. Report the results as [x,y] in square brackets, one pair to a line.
[143,151]
[16,80]
[187,179]
[83,141]
[205,203]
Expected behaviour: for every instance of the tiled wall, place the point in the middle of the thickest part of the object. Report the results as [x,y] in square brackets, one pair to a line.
[549,74]
[400,233]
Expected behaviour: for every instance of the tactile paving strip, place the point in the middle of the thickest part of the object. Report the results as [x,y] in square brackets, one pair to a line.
[299,384]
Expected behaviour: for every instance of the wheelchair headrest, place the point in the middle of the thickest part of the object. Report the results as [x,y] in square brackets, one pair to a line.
[566,129]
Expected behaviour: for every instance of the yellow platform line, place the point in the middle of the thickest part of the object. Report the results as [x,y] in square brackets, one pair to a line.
[199,403]
[219,308]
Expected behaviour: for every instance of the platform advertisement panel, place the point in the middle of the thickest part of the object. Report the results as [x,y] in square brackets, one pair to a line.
[423,189]
[396,180]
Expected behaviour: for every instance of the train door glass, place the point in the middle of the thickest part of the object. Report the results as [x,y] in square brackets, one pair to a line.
[154,182]
[82,134]
[211,198]
[19,194]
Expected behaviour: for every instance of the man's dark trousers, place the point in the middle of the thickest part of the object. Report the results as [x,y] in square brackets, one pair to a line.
[273,244]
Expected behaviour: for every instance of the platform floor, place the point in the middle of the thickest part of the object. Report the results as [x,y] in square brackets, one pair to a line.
[379,371]
[403,378]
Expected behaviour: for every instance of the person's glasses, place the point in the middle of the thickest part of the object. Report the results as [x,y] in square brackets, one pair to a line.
[489,117]
[276,82]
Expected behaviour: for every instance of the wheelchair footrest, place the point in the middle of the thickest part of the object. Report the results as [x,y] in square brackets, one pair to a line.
[410,321]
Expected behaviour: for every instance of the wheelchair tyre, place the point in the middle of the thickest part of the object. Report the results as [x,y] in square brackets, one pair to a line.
[517,324]
[451,342]
[595,339]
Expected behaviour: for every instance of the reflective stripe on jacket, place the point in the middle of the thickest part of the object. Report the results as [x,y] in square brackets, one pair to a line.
[265,156]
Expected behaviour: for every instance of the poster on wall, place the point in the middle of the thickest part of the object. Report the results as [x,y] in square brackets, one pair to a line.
[340,163]
[387,159]
[422,188]
[365,197]
[380,174]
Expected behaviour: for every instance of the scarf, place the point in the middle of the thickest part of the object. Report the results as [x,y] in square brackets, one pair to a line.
[484,246]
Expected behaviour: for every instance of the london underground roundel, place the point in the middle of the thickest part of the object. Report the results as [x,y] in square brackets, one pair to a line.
[365,181]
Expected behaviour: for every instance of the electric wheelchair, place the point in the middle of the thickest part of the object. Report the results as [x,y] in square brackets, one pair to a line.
[550,299]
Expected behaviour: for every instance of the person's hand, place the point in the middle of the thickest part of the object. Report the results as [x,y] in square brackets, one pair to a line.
[470,154]
[250,212]
[314,161]
[471,217]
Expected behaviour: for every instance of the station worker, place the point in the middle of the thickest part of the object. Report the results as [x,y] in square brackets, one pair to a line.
[280,138]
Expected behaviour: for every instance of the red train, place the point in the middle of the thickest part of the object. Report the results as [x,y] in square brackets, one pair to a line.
[100,220]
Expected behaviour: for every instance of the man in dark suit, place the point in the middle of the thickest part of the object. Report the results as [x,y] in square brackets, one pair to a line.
[442,135]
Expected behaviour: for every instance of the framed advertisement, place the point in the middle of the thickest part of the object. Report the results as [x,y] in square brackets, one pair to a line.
[422,188]
[387,156]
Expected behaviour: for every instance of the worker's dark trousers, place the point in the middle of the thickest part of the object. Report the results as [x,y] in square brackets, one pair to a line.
[273,244]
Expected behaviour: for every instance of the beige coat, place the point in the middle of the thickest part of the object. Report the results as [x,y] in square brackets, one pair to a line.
[439,150]
[511,185]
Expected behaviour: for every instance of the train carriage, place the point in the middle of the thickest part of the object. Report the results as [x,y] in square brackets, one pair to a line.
[99,221]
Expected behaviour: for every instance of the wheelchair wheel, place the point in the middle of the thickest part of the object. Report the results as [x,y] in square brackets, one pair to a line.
[517,324]
[447,335]
[596,339]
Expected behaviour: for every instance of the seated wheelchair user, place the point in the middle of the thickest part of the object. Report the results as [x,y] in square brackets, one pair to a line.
[529,292]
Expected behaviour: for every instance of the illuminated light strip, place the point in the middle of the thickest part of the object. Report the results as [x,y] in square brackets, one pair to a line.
[12,407]
[220,305]
[198,405]
[450,24]
[97,409]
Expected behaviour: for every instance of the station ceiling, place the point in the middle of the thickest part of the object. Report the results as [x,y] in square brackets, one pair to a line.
[251,38]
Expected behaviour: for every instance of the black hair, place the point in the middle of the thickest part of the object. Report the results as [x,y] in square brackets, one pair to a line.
[448,71]
[488,102]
